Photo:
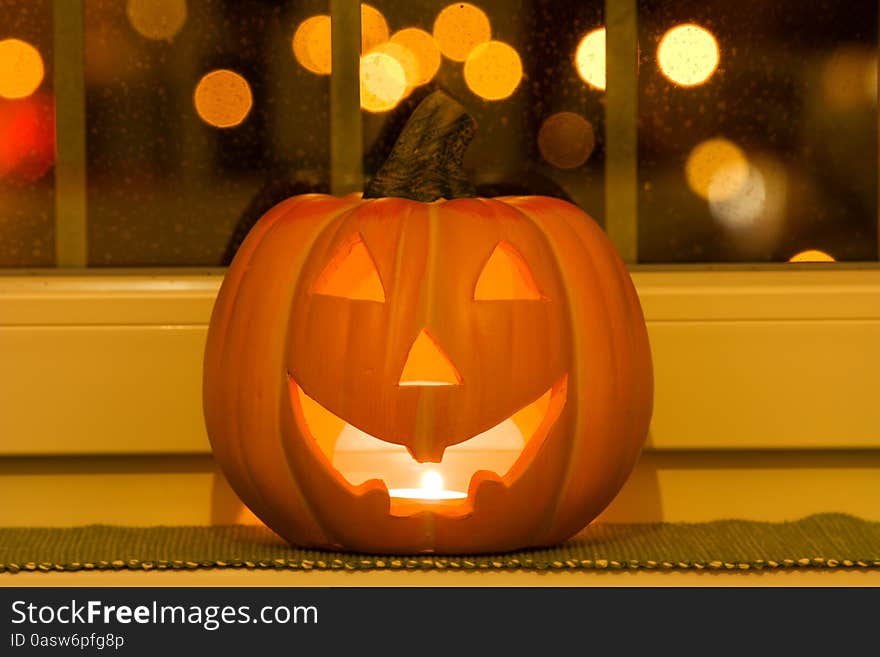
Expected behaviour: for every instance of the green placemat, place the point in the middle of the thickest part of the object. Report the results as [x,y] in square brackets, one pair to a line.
[818,541]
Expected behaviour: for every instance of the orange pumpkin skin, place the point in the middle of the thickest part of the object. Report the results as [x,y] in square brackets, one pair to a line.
[586,340]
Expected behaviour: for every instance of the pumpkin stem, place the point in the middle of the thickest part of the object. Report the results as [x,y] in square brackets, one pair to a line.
[426,161]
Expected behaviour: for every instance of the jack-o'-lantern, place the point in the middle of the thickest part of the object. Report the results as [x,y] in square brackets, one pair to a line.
[418,370]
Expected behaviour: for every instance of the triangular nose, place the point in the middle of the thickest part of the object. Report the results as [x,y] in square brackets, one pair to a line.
[427,365]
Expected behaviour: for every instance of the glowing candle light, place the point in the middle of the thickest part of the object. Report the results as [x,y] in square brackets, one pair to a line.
[431,488]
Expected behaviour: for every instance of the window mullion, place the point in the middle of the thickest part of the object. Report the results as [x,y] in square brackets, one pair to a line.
[71,248]
[621,116]
[346,147]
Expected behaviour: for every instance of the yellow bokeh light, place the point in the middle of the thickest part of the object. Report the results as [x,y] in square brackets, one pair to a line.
[405,58]
[688,54]
[223,98]
[424,48]
[312,43]
[156,19]
[811,255]
[589,58]
[566,140]
[716,168]
[459,28]
[21,68]
[383,82]
[493,70]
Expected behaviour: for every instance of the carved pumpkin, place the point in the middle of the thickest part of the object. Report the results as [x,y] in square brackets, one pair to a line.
[444,374]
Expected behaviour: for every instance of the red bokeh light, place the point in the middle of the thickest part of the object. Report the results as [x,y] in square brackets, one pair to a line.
[27,138]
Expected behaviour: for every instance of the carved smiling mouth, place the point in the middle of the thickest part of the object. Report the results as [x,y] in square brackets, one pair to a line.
[361,461]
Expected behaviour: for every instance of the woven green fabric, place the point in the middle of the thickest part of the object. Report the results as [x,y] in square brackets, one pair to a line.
[818,541]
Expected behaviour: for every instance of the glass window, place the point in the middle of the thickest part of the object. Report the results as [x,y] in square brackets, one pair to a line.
[198,118]
[757,130]
[757,123]
[27,135]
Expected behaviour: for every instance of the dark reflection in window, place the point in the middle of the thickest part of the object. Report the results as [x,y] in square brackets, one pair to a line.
[198,117]
[27,134]
[770,152]
[541,126]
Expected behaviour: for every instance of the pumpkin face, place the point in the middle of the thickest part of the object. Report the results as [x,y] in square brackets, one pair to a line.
[349,331]
[400,372]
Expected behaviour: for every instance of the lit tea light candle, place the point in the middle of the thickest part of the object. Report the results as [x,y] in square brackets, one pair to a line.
[431,489]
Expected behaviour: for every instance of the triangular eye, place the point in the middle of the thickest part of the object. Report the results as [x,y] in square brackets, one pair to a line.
[506,276]
[351,273]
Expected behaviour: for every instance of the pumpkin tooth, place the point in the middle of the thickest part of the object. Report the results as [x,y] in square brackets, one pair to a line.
[371,466]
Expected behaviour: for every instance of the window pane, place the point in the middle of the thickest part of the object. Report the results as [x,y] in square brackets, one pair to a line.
[27,134]
[758,130]
[199,118]
[540,125]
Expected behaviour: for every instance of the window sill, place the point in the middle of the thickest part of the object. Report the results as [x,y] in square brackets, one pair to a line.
[754,359]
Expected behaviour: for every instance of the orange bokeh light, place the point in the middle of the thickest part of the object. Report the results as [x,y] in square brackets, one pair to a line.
[312,45]
[493,70]
[459,28]
[156,19]
[811,255]
[566,140]
[223,98]
[424,48]
[21,68]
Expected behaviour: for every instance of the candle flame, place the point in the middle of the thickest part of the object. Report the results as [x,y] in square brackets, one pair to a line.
[432,482]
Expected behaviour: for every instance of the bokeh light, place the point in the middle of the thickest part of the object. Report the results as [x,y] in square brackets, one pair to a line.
[459,28]
[223,98]
[812,255]
[156,19]
[849,78]
[374,28]
[21,68]
[754,212]
[424,48]
[383,82]
[312,44]
[405,58]
[589,58]
[688,55]
[313,35]
[718,164]
[744,206]
[27,138]
[566,140]
[493,70]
